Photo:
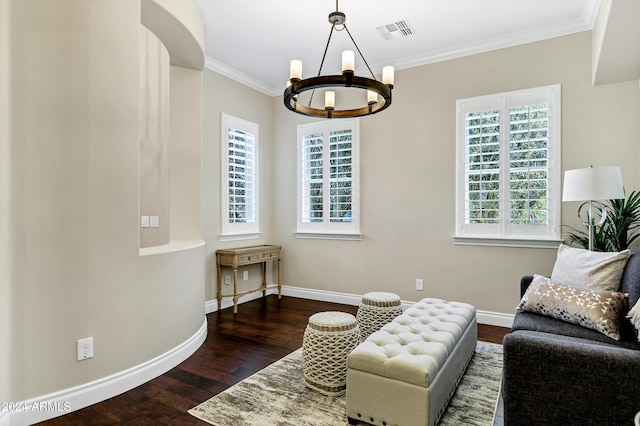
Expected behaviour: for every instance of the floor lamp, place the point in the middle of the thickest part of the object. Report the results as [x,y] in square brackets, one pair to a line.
[588,185]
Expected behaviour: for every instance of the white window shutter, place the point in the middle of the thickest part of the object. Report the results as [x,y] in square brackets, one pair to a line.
[508,157]
[239,179]
[328,179]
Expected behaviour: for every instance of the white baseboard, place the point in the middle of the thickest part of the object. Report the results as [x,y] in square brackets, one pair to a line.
[212,305]
[72,399]
[495,318]
[484,317]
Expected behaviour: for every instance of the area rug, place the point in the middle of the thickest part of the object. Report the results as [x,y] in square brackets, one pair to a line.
[277,396]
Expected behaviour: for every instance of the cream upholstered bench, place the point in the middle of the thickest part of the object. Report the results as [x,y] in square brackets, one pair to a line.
[405,373]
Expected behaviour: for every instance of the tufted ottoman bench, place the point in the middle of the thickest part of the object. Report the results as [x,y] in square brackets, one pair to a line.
[405,373]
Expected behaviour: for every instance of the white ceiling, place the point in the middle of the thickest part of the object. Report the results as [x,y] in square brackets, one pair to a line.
[252,41]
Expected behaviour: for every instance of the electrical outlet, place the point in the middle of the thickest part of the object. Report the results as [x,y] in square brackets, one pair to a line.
[85,348]
[245,275]
[419,284]
[227,279]
[144,221]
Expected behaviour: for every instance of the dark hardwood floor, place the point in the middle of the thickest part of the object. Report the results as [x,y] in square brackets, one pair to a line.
[237,346]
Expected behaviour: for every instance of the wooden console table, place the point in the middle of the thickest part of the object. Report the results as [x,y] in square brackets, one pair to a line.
[244,256]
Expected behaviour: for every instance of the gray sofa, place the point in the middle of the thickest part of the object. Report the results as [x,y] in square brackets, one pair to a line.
[558,373]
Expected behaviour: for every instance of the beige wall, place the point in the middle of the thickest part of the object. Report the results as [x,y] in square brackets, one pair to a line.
[408,177]
[69,205]
[154,137]
[5,173]
[222,95]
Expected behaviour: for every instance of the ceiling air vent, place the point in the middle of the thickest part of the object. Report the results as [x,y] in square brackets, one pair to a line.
[396,30]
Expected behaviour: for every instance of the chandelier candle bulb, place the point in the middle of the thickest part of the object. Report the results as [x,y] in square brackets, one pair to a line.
[387,75]
[329,99]
[295,70]
[348,61]
[372,97]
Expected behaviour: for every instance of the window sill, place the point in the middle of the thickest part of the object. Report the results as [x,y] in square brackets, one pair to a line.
[329,236]
[507,242]
[238,237]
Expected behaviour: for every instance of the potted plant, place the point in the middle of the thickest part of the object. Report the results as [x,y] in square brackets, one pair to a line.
[619,230]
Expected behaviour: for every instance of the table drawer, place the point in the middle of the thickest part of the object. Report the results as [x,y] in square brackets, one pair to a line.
[249,258]
[270,255]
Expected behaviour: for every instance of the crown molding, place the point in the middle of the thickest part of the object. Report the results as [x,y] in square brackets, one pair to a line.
[495,43]
[590,13]
[585,23]
[241,77]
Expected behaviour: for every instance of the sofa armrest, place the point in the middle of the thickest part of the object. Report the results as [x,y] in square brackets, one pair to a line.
[525,281]
[558,380]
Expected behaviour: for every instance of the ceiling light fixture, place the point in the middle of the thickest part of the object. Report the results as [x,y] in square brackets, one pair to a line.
[378,94]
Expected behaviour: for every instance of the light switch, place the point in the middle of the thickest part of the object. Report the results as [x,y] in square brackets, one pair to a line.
[144,221]
[155,221]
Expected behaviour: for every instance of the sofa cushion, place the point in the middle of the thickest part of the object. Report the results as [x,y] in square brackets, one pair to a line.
[631,286]
[631,277]
[589,269]
[634,316]
[602,311]
[530,321]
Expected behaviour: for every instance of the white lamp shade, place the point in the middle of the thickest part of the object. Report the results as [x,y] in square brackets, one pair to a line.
[593,183]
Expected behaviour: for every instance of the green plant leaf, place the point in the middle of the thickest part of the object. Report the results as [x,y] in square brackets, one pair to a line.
[620,229]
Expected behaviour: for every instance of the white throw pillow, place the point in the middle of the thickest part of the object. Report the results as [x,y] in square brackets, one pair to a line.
[634,316]
[589,269]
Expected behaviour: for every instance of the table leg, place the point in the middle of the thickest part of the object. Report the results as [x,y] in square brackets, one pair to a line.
[264,278]
[279,282]
[235,291]
[219,287]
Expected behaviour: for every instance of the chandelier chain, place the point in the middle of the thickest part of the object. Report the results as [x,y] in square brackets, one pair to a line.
[323,58]
[358,49]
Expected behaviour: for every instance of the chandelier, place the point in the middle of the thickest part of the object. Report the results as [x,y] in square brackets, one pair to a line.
[378,93]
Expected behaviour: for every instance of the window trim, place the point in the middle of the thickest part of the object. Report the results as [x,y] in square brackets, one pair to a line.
[327,229]
[503,233]
[237,231]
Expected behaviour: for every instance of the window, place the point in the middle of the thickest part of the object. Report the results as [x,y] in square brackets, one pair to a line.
[328,180]
[508,168]
[239,190]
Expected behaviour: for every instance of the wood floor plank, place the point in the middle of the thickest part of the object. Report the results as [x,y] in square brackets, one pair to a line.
[263,331]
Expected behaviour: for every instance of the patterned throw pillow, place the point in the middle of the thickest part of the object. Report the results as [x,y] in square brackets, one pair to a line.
[634,316]
[589,269]
[595,309]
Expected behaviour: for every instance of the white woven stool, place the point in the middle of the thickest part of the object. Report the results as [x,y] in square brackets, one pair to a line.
[377,309]
[328,339]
